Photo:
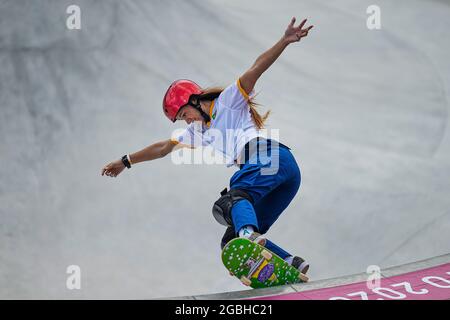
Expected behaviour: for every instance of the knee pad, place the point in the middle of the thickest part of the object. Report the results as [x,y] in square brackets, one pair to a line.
[222,207]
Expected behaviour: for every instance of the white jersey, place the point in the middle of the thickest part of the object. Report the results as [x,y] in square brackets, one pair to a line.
[230,128]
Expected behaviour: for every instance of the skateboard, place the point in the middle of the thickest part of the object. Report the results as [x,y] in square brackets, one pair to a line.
[258,267]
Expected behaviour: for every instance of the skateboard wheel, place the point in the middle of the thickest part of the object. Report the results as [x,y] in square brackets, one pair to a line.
[246,281]
[303,278]
[266,254]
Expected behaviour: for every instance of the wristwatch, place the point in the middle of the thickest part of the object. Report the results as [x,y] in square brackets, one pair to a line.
[126,161]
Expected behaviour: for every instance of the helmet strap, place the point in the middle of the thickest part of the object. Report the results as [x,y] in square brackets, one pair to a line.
[198,106]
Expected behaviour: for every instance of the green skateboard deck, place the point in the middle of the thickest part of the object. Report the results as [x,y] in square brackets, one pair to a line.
[258,267]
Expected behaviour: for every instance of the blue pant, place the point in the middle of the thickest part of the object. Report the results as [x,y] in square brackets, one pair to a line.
[272,178]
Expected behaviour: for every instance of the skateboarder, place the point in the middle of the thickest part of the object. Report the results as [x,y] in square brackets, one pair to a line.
[268,177]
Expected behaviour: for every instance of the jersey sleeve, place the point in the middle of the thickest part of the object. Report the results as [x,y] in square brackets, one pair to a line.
[189,137]
[234,96]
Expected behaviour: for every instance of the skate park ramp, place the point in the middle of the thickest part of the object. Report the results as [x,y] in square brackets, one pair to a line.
[422,280]
[364,111]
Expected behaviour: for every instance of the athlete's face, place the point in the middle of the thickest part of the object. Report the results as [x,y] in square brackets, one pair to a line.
[189,114]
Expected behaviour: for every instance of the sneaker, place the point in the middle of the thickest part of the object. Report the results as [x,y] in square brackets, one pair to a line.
[258,238]
[300,264]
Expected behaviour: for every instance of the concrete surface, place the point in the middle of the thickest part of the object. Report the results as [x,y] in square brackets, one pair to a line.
[365,112]
[338,284]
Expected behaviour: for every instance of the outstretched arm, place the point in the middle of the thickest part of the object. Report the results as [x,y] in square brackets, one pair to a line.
[155,151]
[264,61]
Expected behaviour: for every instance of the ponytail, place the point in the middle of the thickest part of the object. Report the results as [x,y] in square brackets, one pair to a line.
[214,92]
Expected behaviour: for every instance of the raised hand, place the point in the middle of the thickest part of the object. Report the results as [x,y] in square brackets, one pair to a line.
[294,34]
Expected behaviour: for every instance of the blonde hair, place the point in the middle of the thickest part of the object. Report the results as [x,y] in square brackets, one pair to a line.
[212,93]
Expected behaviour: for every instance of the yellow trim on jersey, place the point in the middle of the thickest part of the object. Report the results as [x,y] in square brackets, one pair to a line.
[182,145]
[211,107]
[242,90]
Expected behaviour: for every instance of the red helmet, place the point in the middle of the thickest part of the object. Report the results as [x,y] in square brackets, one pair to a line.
[178,96]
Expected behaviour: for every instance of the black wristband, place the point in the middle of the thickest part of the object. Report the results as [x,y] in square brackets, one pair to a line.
[126,162]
